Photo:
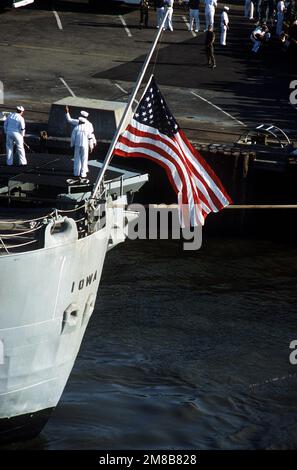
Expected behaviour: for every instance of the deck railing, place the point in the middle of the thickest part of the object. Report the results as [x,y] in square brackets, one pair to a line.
[17,235]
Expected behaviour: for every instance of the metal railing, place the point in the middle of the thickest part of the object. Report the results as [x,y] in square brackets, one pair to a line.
[108,184]
[20,234]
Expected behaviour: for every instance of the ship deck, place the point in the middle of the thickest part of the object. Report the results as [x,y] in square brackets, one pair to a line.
[47,176]
[30,193]
[54,171]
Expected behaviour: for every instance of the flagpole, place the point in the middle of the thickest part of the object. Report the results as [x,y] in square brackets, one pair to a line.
[128,107]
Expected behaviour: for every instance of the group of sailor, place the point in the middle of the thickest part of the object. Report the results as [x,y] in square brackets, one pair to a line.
[82,139]
[162,6]
[264,10]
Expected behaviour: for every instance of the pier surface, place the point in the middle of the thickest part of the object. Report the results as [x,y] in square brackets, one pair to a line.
[49,52]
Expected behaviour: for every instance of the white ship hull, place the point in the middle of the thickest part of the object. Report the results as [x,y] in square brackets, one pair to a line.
[47,297]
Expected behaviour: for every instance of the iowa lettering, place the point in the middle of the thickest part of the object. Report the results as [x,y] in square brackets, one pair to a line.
[85,282]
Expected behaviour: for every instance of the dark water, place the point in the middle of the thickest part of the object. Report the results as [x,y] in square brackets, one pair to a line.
[186,351]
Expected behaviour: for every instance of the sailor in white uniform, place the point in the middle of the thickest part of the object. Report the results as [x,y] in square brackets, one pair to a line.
[210,8]
[224,26]
[74,122]
[14,128]
[169,5]
[82,141]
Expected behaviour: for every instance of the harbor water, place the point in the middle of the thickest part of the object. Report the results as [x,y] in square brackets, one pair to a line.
[185,351]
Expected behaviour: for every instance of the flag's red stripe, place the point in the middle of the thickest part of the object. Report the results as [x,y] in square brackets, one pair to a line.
[209,191]
[121,153]
[205,165]
[137,154]
[156,136]
[208,186]
[198,194]
[175,147]
[212,195]
[146,134]
[216,202]
[171,144]
[150,147]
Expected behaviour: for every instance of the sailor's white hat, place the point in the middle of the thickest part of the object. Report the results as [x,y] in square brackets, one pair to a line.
[20,108]
[226,8]
[84,114]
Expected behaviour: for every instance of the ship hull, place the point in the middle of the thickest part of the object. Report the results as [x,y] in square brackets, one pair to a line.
[23,427]
[47,298]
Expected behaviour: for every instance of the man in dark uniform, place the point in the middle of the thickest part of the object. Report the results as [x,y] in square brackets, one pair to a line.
[263,11]
[292,38]
[271,10]
[144,13]
[209,41]
[194,15]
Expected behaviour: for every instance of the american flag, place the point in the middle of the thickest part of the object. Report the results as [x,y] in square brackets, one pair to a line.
[153,133]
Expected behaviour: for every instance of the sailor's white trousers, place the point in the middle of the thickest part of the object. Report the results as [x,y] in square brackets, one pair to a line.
[209,16]
[18,139]
[81,156]
[223,35]
[169,24]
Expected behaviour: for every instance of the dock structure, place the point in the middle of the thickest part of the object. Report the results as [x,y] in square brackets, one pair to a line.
[92,63]
[95,58]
